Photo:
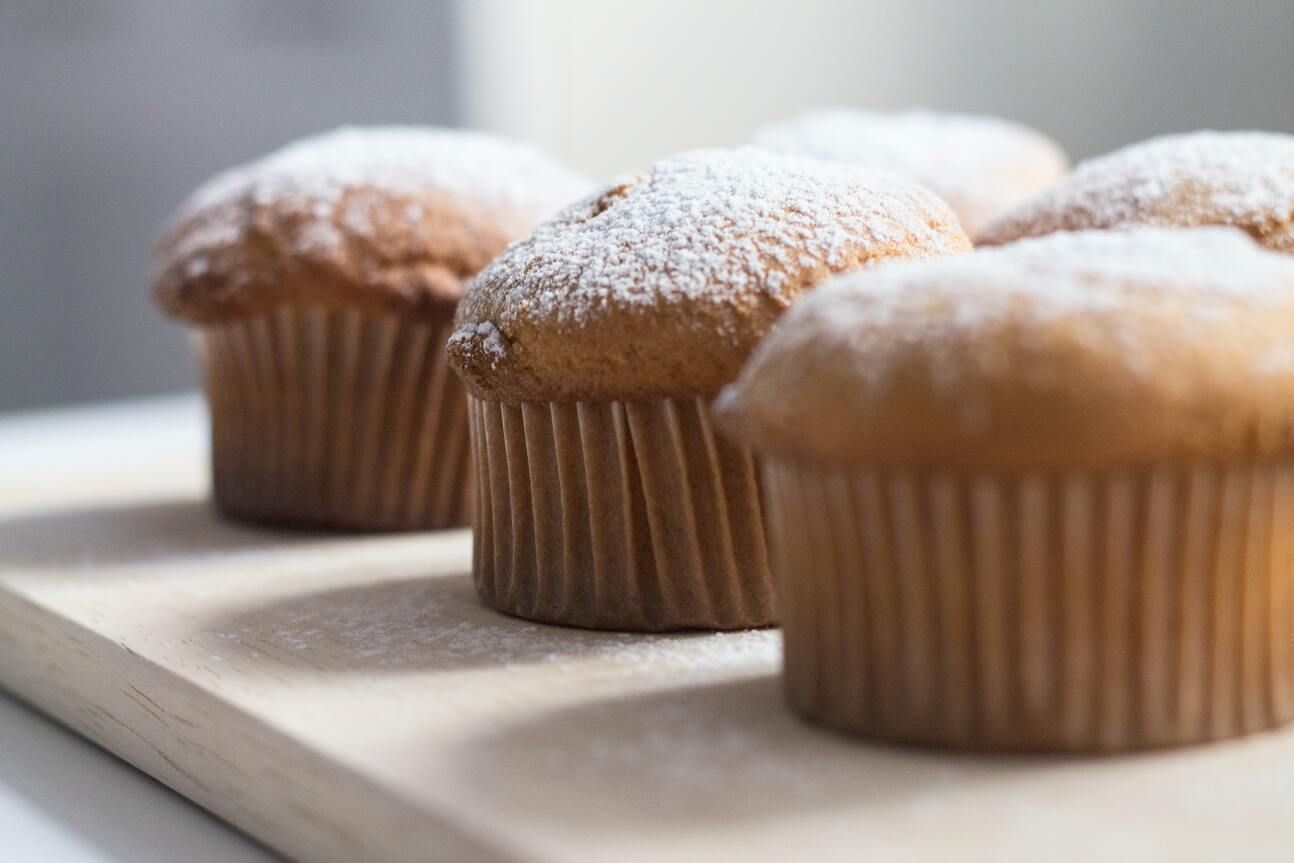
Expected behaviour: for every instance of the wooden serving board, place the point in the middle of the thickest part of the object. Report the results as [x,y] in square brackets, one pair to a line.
[346,699]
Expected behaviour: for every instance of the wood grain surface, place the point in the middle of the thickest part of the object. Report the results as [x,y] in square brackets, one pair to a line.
[346,698]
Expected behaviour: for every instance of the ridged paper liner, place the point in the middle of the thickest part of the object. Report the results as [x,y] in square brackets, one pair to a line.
[337,418]
[1135,609]
[617,515]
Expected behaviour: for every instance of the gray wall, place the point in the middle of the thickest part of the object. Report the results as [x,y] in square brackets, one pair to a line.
[1102,73]
[112,110]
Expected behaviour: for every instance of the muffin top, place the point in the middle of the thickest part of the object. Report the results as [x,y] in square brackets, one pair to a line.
[1242,179]
[659,286]
[981,166]
[393,218]
[1080,350]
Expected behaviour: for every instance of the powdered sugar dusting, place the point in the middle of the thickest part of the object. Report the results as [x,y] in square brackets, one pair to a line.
[1236,178]
[715,225]
[484,337]
[315,174]
[980,165]
[1094,282]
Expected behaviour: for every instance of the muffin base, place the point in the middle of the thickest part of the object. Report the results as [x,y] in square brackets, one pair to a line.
[1133,609]
[617,515]
[340,419]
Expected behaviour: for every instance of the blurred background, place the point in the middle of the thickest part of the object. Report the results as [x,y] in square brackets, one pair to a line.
[112,110]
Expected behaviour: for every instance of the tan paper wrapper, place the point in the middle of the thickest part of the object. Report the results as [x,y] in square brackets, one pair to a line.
[1134,609]
[337,419]
[617,515]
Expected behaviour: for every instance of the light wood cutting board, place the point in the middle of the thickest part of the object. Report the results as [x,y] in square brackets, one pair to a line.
[346,699]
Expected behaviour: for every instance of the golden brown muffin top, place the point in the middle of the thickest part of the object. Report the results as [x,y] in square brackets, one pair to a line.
[1082,350]
[1241,179]
[393,218]
[661,285]
[982,166]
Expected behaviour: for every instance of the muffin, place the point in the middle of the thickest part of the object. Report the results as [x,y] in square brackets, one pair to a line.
[591,350]
[982,166]
[321,283]
[1036,497]
[1241,179]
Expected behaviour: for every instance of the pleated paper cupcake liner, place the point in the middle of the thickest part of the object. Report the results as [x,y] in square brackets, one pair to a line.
[617,515]
[1083,612]
[337,418]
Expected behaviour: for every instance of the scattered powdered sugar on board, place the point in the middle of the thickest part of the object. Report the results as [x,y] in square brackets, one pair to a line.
[315,173]
[439,624]
[978,163]
[1242,178]
[708,223]
[690,755]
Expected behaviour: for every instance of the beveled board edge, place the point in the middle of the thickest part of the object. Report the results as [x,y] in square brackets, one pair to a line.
[176,731]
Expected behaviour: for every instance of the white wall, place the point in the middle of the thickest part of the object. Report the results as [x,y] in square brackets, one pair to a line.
[611,85]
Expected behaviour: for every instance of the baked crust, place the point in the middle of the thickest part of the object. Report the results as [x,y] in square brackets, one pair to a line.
[1079,350]
[394,219]
[1241,179]
[660,286]
[981,165]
